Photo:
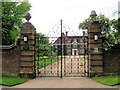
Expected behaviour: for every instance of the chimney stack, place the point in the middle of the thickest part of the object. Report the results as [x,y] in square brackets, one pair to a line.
[66,33]
[63,35]
[83,33]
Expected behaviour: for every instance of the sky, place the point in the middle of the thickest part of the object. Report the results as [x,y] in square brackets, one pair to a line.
[46,14]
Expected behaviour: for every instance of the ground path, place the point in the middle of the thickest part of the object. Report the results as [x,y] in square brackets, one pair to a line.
[66,82]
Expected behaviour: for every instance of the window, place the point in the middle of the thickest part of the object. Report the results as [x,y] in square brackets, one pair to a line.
[81,41]
[68,45]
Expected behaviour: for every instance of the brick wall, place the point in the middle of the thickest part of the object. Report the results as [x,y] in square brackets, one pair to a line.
[10,60]
[110,60]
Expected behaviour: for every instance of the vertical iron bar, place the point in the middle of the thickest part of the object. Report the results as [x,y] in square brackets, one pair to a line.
[64,55]
[35,55]
[80,54]
[71,59]
[88,63]
[61,48]
[71,66]
[56,50]
[38,55]
[51,61]
[78,60]
[43,57]
[78,65]
[84,54]
[45,63]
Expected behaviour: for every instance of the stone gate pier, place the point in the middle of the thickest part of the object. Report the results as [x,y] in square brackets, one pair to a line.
[95,48]
[27,48]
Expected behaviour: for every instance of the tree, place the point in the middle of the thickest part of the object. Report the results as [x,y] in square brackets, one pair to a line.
[43,46]
[12,19]
[109,30]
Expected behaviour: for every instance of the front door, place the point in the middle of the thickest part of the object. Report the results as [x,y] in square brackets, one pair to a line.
[75,52]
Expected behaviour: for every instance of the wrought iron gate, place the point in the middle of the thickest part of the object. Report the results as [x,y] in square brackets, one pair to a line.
[63,56]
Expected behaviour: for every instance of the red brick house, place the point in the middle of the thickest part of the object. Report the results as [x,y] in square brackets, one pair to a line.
[71,45]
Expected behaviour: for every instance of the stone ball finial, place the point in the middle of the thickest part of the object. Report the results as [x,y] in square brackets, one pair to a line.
[28,16]
[93,14]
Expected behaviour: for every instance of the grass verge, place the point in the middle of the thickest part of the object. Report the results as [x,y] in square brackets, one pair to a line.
[108,80]
[12,80]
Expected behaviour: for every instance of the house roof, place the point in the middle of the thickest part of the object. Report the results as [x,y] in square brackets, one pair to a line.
[69,39]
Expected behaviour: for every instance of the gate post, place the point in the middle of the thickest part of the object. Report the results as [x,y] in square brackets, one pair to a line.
[95,48]
[27,47]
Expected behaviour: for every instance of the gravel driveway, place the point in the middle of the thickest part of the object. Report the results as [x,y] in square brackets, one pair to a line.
[72,66]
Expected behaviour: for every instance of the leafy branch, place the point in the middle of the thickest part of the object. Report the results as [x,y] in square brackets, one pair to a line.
[109,30]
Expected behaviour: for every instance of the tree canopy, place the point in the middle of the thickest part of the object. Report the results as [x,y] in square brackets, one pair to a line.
[109,29]
[12,18]
[43,46]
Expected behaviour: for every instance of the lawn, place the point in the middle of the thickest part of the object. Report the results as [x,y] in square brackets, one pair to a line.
[108,80]
[45,61]
[12,80]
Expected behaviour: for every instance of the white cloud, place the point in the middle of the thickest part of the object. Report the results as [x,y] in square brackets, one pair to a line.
[47,13]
